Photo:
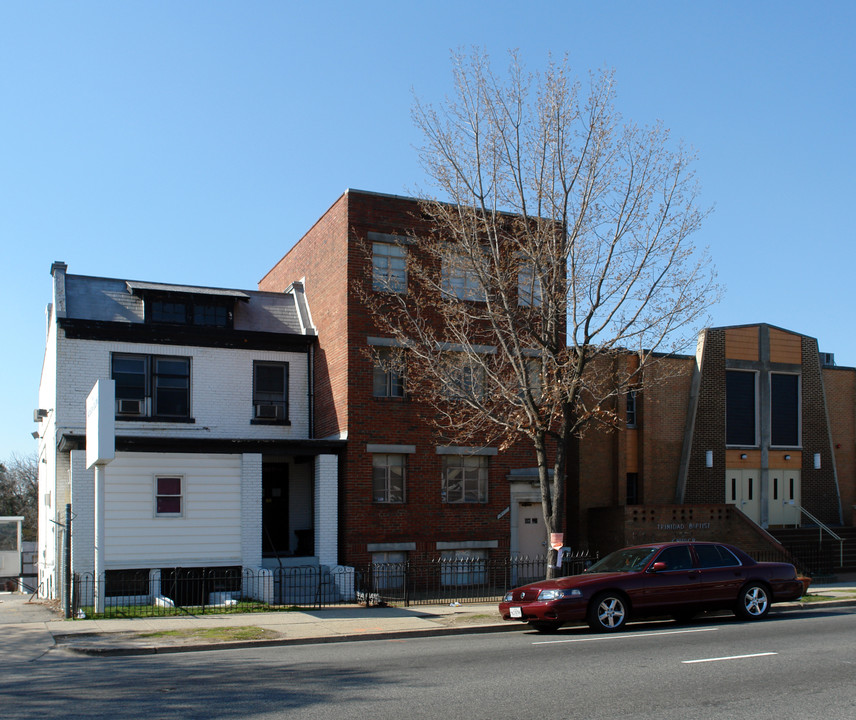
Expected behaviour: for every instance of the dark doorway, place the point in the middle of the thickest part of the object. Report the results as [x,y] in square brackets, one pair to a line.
[275,532]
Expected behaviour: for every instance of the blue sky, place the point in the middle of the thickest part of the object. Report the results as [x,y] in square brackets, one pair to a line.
[195,142]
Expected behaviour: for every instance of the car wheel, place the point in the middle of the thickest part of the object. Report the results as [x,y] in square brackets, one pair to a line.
[608,612]
[753,602]
[543,626]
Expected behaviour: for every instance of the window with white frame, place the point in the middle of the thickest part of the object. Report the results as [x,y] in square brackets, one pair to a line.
[533,377]
[464,479]
[387,374]
[528,286]
[270,391]
[631,409]
[463,567]
[465,377]
[459,278]
[388,475]
[388,570]
[389,267]
[155,386]
[169,496]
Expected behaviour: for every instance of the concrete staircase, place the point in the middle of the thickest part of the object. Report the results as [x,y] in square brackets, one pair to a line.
[307,583]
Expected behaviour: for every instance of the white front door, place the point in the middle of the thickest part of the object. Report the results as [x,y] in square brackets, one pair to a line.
[743,489]
[531,532]
[784,497]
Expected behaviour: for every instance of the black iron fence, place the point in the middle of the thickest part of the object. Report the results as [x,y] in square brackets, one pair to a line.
[810,558]
[177,591]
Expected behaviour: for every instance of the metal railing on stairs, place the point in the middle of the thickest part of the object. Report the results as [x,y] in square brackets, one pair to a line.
[823,528]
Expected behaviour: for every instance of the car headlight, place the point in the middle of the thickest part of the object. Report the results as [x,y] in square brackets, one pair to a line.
[509,596]
[556,594]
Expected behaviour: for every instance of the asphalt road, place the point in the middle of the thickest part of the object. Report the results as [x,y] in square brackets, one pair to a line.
[794,665]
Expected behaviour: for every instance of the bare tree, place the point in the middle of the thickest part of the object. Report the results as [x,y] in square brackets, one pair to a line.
[557,264]
[19,488]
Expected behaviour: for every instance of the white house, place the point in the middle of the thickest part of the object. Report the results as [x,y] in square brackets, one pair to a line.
[215,462]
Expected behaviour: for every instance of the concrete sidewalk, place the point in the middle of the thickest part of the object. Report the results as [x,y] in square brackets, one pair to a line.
[26,637]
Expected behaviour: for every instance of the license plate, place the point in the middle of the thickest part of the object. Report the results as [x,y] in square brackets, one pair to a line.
[516,612]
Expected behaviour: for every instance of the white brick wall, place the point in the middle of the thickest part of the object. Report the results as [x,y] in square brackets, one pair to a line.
[221,388]
[251,510]
[326,509]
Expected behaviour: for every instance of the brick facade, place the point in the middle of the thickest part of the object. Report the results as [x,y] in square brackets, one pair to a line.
[333,260]
[681,410]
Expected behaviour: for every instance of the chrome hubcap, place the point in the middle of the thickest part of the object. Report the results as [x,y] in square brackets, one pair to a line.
[755,601]
[611,613]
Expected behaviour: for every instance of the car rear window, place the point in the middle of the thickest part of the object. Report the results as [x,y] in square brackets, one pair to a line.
[715,556]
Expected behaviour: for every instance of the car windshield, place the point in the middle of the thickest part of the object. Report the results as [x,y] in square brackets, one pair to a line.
[626,560]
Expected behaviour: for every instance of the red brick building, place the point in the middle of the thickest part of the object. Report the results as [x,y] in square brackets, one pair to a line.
[393,474]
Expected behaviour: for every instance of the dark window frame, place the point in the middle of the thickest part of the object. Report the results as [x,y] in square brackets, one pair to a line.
[189,310]
[159,383]
[265,398]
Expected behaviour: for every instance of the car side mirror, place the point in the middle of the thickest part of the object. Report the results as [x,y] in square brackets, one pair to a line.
[659,567]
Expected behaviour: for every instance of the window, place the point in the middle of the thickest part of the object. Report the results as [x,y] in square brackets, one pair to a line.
[631,409]
[185,310]
[676,558]
[632,495]
[387,376]
[388,478]
[528,286]
[460,279]
[466,377]
[784,409]
[388,570]
[713,556]
[740,408]
[168,497]
[270,391]
[533,378]
[151,386]
[464,479]
[389,267]
[463,567]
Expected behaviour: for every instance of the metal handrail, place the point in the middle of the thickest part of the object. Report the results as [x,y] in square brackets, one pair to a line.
[821,527]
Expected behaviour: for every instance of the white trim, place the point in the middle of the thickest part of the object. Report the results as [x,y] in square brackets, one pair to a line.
[391,449]
[460,450]
[391,547]
[467,544]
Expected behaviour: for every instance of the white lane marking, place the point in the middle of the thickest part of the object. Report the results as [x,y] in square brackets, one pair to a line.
[729,657]
[624,636]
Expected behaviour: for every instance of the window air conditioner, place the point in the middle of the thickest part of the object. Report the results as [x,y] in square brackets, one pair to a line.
[272,412]
[130,407]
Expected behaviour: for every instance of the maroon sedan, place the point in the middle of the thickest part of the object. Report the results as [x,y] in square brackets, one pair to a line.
[678,579]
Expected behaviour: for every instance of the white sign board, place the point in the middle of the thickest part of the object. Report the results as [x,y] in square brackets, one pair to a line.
[101,423]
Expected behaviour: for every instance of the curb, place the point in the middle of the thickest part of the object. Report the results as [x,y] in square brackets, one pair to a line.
[94,650]
[118,651]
